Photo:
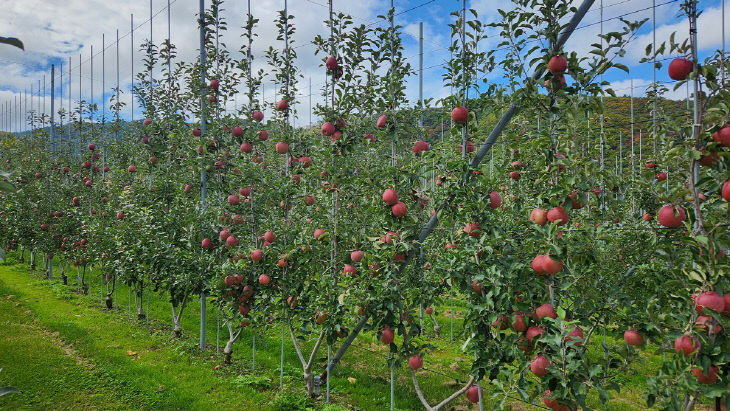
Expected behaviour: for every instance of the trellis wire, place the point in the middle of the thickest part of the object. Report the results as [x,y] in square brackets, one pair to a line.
[203,175]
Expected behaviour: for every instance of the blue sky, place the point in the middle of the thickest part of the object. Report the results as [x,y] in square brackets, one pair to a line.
[54,31]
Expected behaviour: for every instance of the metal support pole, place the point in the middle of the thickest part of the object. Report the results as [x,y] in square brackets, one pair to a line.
[116,109]
[420,73]
[131,34]
[653,69]
[203,176]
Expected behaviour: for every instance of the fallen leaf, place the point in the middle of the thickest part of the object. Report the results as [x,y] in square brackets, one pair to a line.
[131,352]
[160,388]
[352,380]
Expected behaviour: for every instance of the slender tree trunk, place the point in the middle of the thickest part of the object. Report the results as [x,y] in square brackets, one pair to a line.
[139,300]
[64,277]
[109,292]
[232,337]
[22,254]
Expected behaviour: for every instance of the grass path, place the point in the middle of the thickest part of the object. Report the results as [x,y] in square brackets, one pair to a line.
[63,351]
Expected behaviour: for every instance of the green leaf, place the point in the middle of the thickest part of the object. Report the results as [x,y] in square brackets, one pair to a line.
[13,42]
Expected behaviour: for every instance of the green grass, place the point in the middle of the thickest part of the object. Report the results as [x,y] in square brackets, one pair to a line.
[64,351]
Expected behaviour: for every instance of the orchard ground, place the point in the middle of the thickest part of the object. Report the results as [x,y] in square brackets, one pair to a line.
[63,350]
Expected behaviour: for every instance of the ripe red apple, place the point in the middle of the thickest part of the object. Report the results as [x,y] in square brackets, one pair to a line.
[263,135]
[559,79]
[557,65]
[349,269]
[539,365]
[269,236]
[459,115]
[231,241]
[282,147]
[495,200]
[256,255]
[476,287]
[574,335]
[386,335]
[282,105]
[92,147]
[213,84]
[197,132]
[473,229]
[224,234]
[667,216]
[515,175]
[132,169]
[661,176]
[469,147]
[687,345]
[264,279]
[153,160]
[722,136]
[237,131]
[429,310]
[533,332]
[473,393]
[399,209]
[501,323]
[318,233]
[680,68]
[538,216]
[726,191]
[328,129]
[633,338]
[647,217]
[234,200]
[382,120]
[357,256]
[147,122]
[257,115]
[546,310]
[120,215]
[710,300]
[206,243]
[331,63]
[558,216]
[390,196]
[246,147]
[419,146]
[709,378]
[415,362]
[519,324]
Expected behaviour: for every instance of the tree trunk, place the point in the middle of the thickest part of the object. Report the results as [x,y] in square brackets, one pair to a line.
[109,300]
[308,381]
[139,301]
[228,351]
[63,276]
[32,260]
[22,255]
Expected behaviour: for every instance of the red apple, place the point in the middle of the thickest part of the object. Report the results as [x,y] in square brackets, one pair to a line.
[459,115]
[533,332]
[668,218]
[473,393]
[495,200]
[282,147]
[386,335]
[92,147]
[710,300]
[687,345]
[331,63]
[328,129]
[399,209]
[382,120]
[234,200]
[282,105]
[429,310]
[350,269]
[264,279]
[257,115]
[557,65]
[539,216]
[419,146]
[357,256]
[318,233]
[546,310]
[231,241]
[257,255]
[680,68]
[539,365]
[206,243]
[469,147]
[515,175]
[473,229]
[574,335]
[132,169]
[558,216]
[726,191]
[633,338]
[390,196]
[709,378]
[661,176]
